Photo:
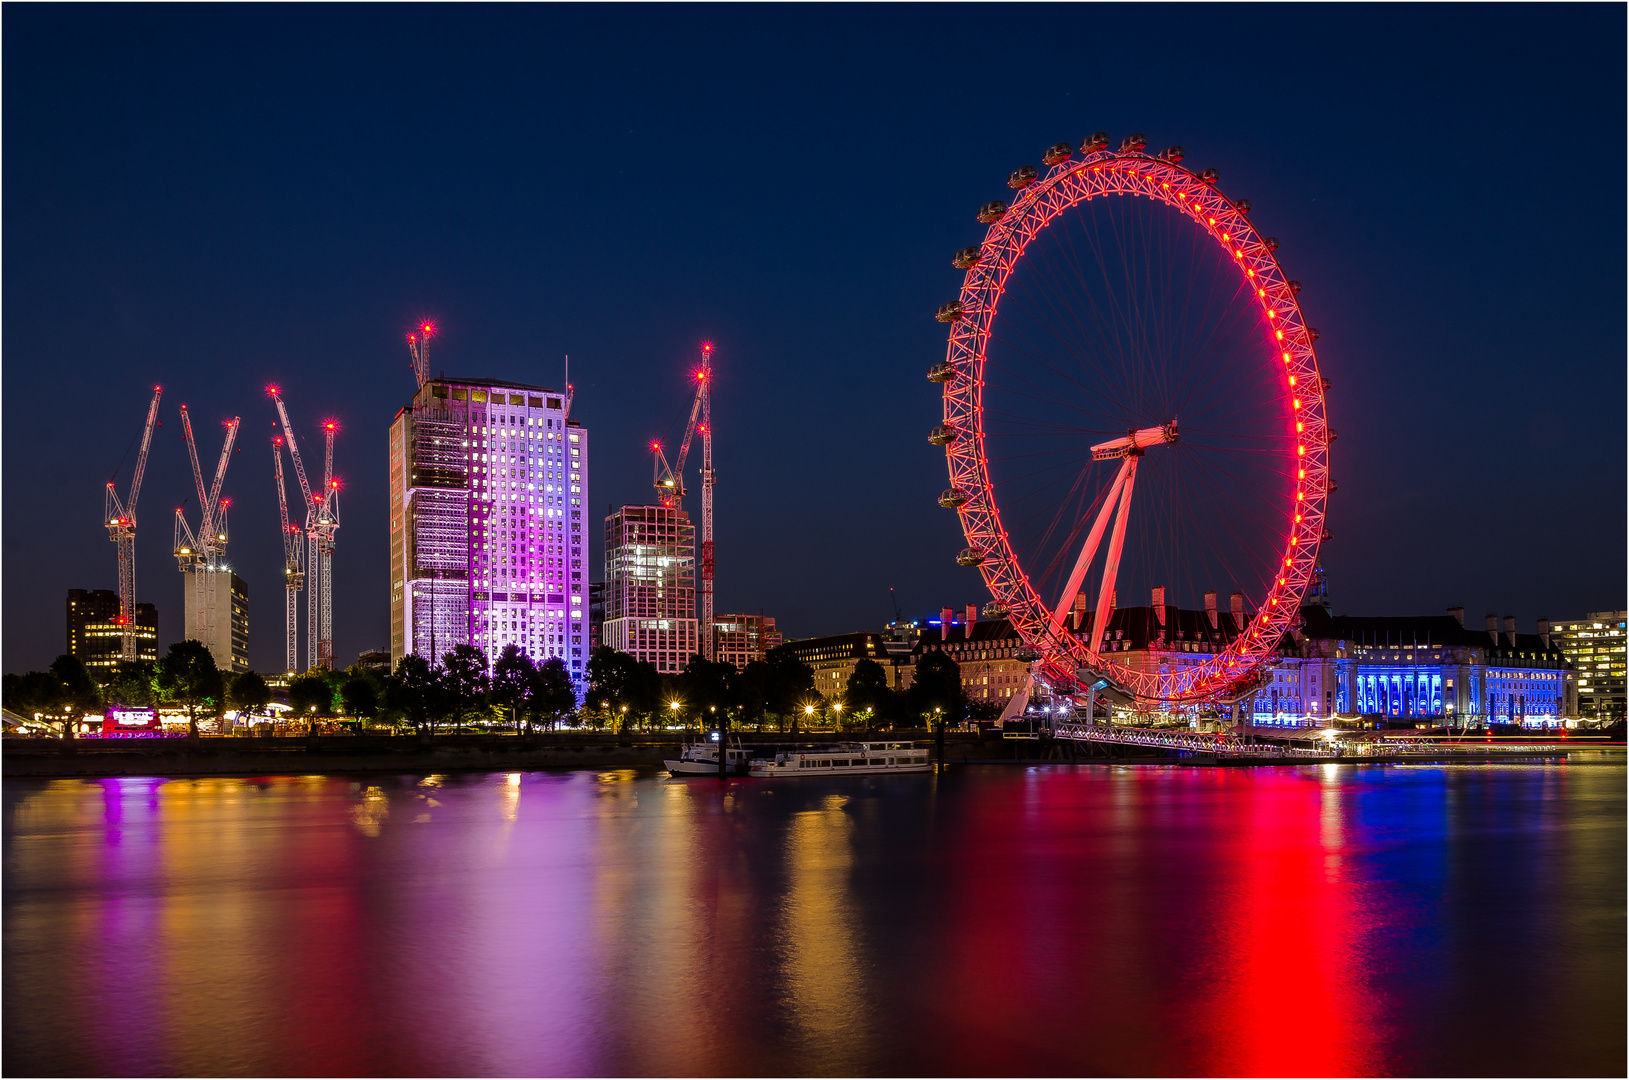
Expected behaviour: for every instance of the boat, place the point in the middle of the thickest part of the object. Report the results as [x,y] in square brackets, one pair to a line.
[844,759]
[701,759]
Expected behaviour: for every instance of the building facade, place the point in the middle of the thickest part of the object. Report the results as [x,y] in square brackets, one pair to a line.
[833,659]
[95,636]
[989,653]
[650,586]
[741,639]
[488,480]
[1596,646]
[216,612]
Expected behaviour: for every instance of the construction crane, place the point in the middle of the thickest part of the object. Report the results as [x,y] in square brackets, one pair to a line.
[327,525]
[293,564]
[418,343]
[121,529]
[321,522]
[670,490]
[199,553]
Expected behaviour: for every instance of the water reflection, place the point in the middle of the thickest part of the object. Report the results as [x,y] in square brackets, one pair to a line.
[1325,920]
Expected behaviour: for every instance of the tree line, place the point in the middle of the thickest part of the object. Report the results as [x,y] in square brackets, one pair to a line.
[463,689]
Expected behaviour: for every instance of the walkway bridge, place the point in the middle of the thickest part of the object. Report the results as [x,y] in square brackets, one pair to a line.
[1227,745]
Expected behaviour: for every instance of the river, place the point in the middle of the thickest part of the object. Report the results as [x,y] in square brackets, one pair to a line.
[1052,920]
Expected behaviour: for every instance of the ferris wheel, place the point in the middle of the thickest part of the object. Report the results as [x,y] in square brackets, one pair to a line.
[1133,407]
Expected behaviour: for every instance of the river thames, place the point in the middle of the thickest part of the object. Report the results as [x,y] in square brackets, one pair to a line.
[1080,920]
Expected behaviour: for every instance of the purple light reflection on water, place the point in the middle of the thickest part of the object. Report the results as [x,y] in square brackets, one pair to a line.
[1057,920]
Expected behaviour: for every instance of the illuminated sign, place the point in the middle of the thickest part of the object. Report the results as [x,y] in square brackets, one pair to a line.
[128,719]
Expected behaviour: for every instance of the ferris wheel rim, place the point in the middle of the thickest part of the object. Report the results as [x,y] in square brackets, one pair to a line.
[1069,184]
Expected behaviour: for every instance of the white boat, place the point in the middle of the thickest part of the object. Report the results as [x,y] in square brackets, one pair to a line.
[845,759]
[701,759]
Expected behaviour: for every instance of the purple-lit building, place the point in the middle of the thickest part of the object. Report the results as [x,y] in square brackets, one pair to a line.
[488,480]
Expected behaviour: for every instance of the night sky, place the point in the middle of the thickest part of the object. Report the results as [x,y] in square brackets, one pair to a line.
[217,198]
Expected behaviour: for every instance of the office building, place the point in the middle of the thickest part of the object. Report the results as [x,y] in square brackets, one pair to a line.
[487,484]
[741,639]
[650,585]
[95,636]
[375,660]
[833,659]
[988,652]
[1596,646]
[215,612]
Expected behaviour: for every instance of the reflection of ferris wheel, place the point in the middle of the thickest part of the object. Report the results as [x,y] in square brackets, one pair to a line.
[1132,402]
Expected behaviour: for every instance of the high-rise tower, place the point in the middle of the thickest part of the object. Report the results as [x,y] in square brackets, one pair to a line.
[487,547]
[650,585]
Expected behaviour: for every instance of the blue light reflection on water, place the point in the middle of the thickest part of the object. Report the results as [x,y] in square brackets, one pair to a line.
[1104,919]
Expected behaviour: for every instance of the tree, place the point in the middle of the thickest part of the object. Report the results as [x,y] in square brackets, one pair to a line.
[709,687]
[187,676]
[38,692]
[359,695]
[868,689]
[130,685]
[248,693]
[752,691]
[937,685]
[628,688]
[465,679]
[551,695]
[80,693]
[311,692]
[414,692]
[512,678]
[791,682]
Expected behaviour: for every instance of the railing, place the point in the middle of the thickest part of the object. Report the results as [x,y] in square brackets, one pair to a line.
[1192,742]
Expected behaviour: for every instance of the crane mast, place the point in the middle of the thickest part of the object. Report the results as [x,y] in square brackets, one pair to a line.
[199,554]
[321,522]
[670,490]
[293,566]
[327,513]
[418,344]
[121,529]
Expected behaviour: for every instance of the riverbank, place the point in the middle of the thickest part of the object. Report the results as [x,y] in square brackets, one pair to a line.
[270,755]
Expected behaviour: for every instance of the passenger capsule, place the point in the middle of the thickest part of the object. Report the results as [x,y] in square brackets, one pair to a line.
[969,557]
[1332,487]
[995,609]
[1057,153]
[1330,434]
[1312,333]
[943,435]
[1133,144]
[1094,142]
[1210,176]
[1324,537]
[1242,206]
[1023,177]
[950,312]
[1027,655]
[1272,243]
[967,257]
[951,498]
[943,371]
[1173,154]
[1295,288]
[992,212]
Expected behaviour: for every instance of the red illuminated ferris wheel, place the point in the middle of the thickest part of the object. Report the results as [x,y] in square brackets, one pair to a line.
[1133,407]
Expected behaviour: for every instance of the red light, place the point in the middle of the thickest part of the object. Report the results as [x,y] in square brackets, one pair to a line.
[428,329]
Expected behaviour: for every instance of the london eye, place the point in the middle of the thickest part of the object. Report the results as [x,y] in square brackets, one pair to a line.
[1134,415]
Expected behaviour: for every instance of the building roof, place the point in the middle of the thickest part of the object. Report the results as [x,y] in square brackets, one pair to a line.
[863,644]
[505,383]
[1412,631]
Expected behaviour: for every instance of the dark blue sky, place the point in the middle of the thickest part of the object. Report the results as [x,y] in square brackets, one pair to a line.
[214,198]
